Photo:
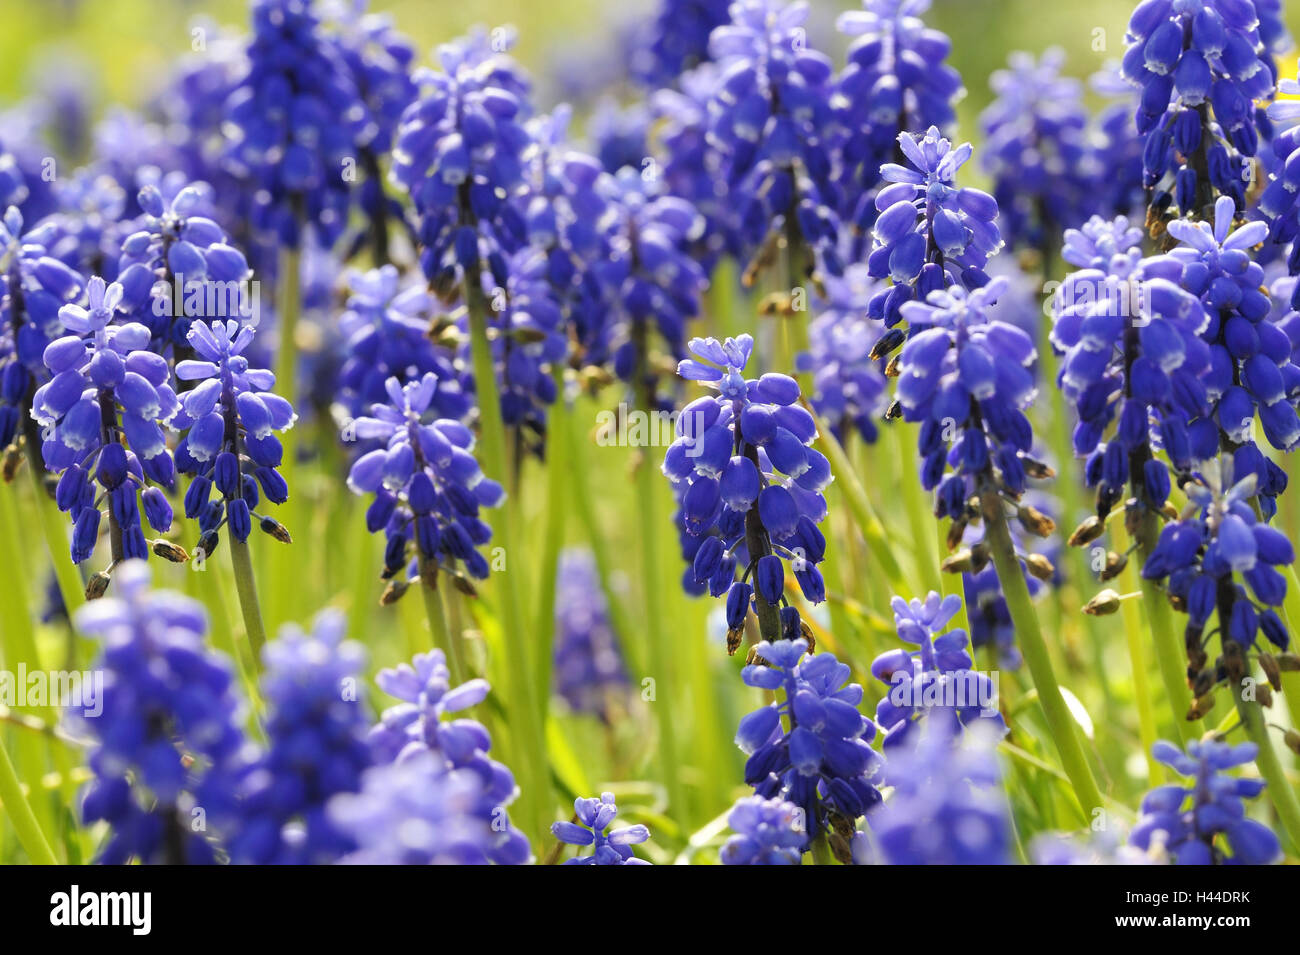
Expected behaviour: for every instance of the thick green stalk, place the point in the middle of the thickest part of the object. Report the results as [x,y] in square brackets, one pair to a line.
[285,565]
[559,445]
[249,606]
[1170,654]
[20,814]
[530,750]
[442,637]
[1280,791]
[1065,733]
[919,521]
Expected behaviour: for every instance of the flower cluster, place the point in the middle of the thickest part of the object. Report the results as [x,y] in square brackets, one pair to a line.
[934,681]
[169,724]
[823,762]
[1201,557]
[589,670]
[767,832]
[930,233]
[1037,150]
[594,818]
[231,416]
[101,410]
[945,808]
[1200,65]
[1193,822]
[428,486]
[316,748]
[750,487]
[895,80]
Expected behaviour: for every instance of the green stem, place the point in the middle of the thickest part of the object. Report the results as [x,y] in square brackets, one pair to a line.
[54,530]
[284,599]
[1065,733]
[559,448]
[1138,661]
[20,814]
[1280,790]
[821,851]
[919,521]
[442,637]
[530,751]
[249,606]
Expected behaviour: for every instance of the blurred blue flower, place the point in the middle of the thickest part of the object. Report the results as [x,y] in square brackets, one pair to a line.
[767,832]
[608,847]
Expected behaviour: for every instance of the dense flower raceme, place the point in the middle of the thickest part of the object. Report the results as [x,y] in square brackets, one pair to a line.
[749,486]
[178,266]
[459,154]
[1116,146]
[946,807]
[317,747]
[849,387]
[612,847]
[385,331]
[770,121]
[650,284]
[935,681]
[1251,372]
[1037,150]
[931,233]
[296,118]
[767,832]
[678,40]
[823,762]
[589,670]
[230,418]
[100,413]
[415,726]
[34,285]
[428,487]
[895,80]
[169,725]
[1200,822]
[1202,557]
[1201,65]
[1132,358]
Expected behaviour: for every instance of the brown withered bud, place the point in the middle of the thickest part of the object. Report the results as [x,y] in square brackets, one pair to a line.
[169,551]
[805,631]
[956,530]
[1115,564]
[1106,602]
[1264,694]
[187,760]
[1035,521]
[1200,706]
[1036,469]
[775,303]
[1169,511]
[734,639]
[97,585]
[762,260]
[464,585]
[1234,661]
[429,574]
[1203,683]
[1039,566]
[207,546]
[13,460]
[891,368]
[277,530]
[1292,740]
[1268,663]
[1288,662]
[1087,532]
[1106,501]
[894,411]
[1196,655]
[394,592]
[958,563]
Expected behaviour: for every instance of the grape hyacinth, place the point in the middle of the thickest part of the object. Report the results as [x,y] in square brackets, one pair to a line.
[613,847]
[824,762]
[678,40]
[169,726]
[750,488]
[930,233]
[895,80]
[229,445]
[428,488]
[1200,65]
[1198,823]
[945,808]
[589,669]
[767,832]
[101,411]
[1037,150]
[317,748]
[935,681]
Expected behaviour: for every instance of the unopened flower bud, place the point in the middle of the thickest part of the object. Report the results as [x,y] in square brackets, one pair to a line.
[1115,564]
[1106,602]
[277,530]
[394,592]
[1039,566]
[1035,521]
[97,585]
[170,551]
[1268,663]
[1087,532]
[1200,706]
